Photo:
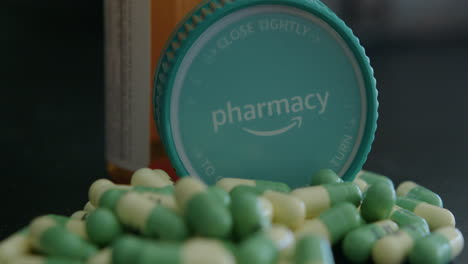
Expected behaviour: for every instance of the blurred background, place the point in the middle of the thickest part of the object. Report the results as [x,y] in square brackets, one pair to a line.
[52,100]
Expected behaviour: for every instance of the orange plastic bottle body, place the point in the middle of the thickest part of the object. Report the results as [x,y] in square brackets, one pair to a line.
[163,17]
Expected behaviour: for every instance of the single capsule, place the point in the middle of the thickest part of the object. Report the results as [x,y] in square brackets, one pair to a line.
[287,209]
[378,202]
[54,240]
[332,224]
[14,246]
[89,207]
[364,179]
[395,247]
[197,250]
[74,226]
[101,186]
[205,215]
[248,213]
[313,249]
[284,240]
[150,219]
[150,178]
[220,194]
[258,249]
[34,259]
[103,226]
[405,217]
[325,176]
[440,247]
[415,191]
[79,215]
[102,257]
[229,183]
[318,199]
[435,216]
[358,244]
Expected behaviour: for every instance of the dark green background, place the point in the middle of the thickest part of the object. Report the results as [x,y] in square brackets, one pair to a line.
[52,109]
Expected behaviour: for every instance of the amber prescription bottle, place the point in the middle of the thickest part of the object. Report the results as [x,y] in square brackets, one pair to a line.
[135,33]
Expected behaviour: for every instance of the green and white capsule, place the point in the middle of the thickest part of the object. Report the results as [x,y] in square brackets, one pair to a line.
[103,226]
[405,217]
[54,240]
[151,178]
[229,183]
[102,257]
[358,244]
[74,226]
[364,179]
[100,187]
[258,249]
[378,202]
[194,251]
[435,216]
[14,246]
[440,247]
[325,176]
[248,212]
[313,249]
[415,191]
[332,224]
[395,247]
[318,199]
[33,259]
[151,219]
[205,215]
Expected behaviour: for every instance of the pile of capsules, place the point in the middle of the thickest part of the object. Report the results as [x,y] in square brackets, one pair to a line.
[243,221]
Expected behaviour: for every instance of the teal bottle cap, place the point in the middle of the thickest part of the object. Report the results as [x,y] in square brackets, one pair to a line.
[265,89]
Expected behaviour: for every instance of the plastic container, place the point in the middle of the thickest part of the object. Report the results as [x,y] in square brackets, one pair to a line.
[265,89]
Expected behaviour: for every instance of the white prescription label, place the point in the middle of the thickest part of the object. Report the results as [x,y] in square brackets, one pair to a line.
[128,82]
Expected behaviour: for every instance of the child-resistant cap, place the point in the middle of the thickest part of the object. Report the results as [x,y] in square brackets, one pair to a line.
[265,89]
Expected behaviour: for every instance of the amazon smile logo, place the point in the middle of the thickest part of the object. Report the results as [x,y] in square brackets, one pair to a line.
[231,114]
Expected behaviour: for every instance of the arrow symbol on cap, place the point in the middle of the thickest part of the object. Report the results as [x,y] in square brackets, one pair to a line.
[296,121]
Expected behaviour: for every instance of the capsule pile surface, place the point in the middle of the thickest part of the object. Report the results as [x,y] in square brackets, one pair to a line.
[154,220]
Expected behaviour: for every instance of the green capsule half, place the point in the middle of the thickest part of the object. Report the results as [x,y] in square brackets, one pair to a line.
[378,202]
[126,249]
[325,176]
[207,216]
[247,213]
[257,249]
[313,249]
[103,227]
[220,194]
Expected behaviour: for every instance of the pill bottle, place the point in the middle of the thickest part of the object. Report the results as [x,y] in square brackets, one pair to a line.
[264,89]
[135,33]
